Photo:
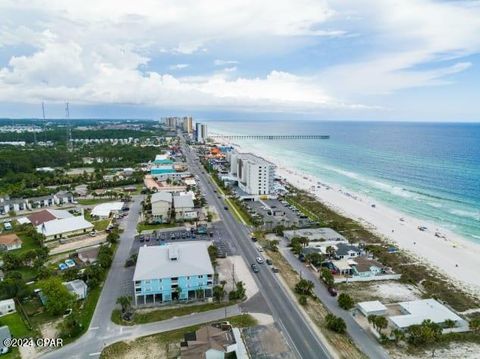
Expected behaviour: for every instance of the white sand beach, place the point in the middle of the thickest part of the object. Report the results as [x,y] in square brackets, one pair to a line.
[451,254]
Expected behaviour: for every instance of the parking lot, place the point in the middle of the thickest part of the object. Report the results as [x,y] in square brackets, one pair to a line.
[275,212]
[215,232]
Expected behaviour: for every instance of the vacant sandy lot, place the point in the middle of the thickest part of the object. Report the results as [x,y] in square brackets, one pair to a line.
[235,268]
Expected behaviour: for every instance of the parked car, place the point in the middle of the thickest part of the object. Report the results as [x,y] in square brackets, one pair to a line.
[269,262]
[255,268]
[260,260]
[333,292]
[275,270]
[254,239]
[225,208]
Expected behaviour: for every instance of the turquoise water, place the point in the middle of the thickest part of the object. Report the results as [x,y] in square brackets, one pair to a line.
[430,171]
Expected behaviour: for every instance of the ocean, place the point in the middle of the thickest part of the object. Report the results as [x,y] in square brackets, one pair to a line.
[427,170]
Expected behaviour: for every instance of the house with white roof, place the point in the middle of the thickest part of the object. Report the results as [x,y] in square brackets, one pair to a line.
[65,227]
[7,306]
[416,311]
[105,210]
[180,271]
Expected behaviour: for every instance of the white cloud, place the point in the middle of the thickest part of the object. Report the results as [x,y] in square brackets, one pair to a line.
[99,51]
[178,66]
[415,44]
[219,62]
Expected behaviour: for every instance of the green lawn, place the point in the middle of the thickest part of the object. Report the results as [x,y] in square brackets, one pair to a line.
[101,225]
[126,350]
[149,227]
[163,314]
[27,244]
[18,329]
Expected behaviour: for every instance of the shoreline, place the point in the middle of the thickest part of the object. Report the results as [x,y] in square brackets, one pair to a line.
[451,254]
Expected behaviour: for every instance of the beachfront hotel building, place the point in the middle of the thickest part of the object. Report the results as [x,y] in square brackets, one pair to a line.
[201,132]
[255,175]
[180,271]
[188,124]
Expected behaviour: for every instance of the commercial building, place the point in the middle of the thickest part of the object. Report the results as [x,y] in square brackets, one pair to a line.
[255,175]
[201,132]
[171,122]
[180,271]
[161,206]
[9,242]
[63,228]
[188,124]
[105,210]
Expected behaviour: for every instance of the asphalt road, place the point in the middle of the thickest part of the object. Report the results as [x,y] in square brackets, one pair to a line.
[298,332]
[365,342]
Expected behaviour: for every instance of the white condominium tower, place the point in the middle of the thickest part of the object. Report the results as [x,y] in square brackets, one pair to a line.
[255,174]
[187,124]
[201,132]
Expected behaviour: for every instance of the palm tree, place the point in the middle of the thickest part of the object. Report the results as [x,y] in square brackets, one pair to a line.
[125,301]
[398,335]
[330,250]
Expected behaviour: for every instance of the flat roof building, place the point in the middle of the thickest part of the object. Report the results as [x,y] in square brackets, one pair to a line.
[416,311]
[373,307]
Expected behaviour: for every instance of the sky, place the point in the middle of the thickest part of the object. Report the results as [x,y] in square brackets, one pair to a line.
[408,60]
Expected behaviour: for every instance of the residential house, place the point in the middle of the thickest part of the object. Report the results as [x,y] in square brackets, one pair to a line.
[9,242]
[161,207]
[64,197]
[16,204]
[89,255]
[7,306]
[180,271]
[78,288]
[366,267]
[345,251]
[415,312]
[184,207]
[212,342]
[4,335]
[65,227]
[42,201]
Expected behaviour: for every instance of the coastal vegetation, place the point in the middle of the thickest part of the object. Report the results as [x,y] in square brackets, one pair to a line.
[432,283]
